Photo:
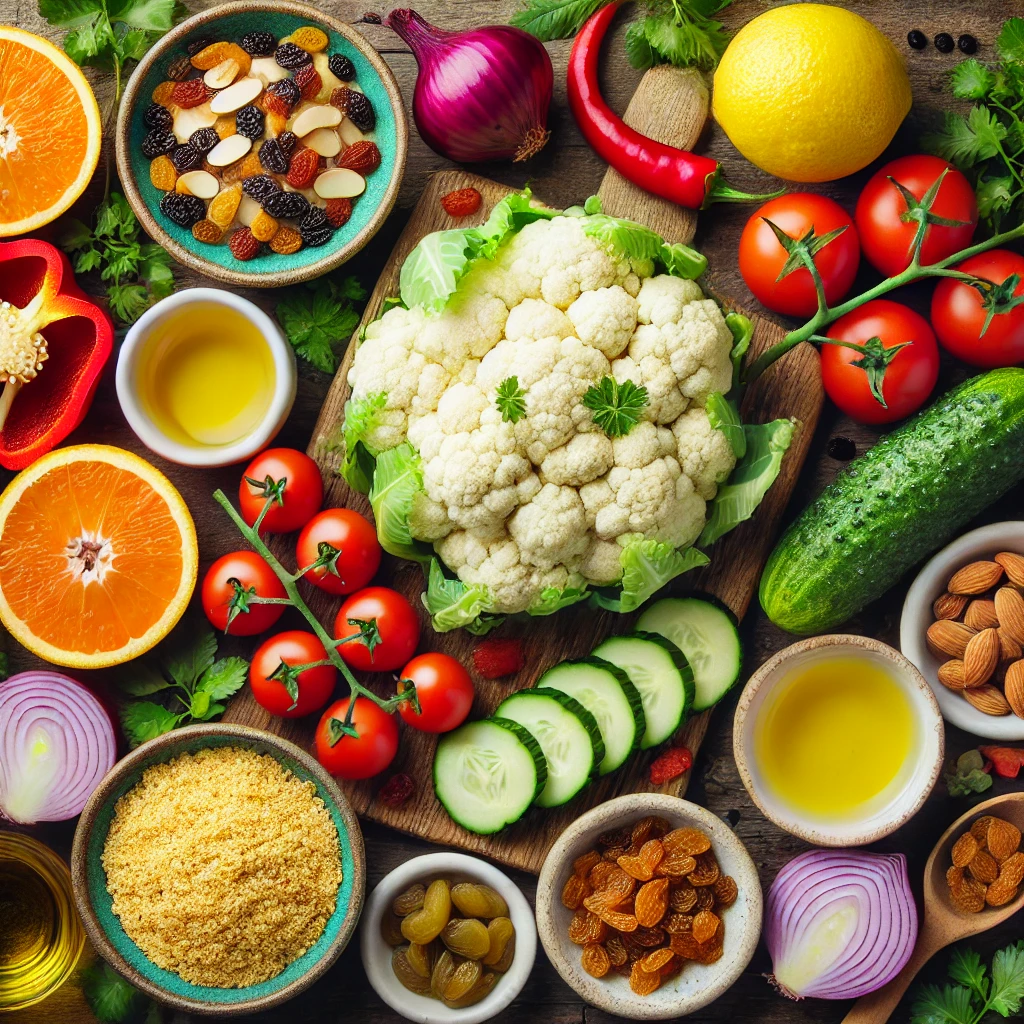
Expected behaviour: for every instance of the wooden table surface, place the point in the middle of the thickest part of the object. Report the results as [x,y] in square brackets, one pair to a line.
[565,173]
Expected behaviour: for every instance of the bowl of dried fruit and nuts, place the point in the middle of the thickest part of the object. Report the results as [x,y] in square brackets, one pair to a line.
[262,142]
[963,627]
[649,906]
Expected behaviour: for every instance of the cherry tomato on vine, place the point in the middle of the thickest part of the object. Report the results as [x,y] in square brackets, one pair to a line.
[904,378]
[349,533]
[888,221]
[311,689]
[292,479]
[361,756]
[763,256]
[222,600]
[959,311]
[397,625]
[443,689]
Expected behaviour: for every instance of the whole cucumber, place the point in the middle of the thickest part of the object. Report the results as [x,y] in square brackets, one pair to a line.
[895,504]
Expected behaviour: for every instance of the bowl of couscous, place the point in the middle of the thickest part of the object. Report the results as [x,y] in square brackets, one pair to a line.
[219,869]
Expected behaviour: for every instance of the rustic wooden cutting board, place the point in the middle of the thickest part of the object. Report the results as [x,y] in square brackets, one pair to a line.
[670,105]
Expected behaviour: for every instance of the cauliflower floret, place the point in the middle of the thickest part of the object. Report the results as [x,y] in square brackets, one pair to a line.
[643,444]
[527,361]
[428,519]
[551,529]
[662,298]
[584,458]
[533,319]
[704,453]
[602,563]
[605,318]
[664,399]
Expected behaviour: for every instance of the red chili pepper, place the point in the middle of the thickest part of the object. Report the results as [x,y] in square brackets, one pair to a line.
[685,178]
[54,343]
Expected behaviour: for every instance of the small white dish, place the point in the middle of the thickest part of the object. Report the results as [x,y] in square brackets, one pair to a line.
[376,953]
[917,616]
[140,348]
[698,984]
[924,762]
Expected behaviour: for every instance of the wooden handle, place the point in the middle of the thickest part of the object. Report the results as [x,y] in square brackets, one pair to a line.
[877,1007]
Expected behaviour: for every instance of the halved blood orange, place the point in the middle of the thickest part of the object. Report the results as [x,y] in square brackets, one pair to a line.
[50,131]
[98,556]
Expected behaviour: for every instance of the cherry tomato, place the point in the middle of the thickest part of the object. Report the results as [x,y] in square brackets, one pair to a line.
[909,376]
[361,756]
[292,478]
[315,685]
[220,596]
[397,624]
[352,535]
[762,255]
[443,689]
[885,222]
[959,312]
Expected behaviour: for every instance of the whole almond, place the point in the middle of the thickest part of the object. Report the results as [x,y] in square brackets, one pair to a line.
[951,675]
[975,578]
[988,699]
[949,606]
[981,614]
[1014,566]
[1010,650]
[981,658]
[1010,611]
[1014,687]
[949,637]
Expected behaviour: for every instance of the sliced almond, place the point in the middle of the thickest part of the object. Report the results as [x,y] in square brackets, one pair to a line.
[1014,566]
[349,133]
[980,658]
[1013,685]
[198,183]
[248,210]
[339,183]
[187,122]
[228,150]
[949,606]
[975,578]
[951,674]
[267,70]
[981,614]
[949,637]
[221,76]
[236,96]
[319,116]
[324,141]
[1009,606]
[1009,649]
[988,699]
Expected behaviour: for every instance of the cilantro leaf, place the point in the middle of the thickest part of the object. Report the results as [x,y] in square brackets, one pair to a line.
[966,141]
[511,400]
[1010,41]
[966,968]
[189,656]
[971,80]
[143,720]
[110,997]
[224,678]
[616,407]
[140,678]
[950,1005]
[1007,991]
[317,320]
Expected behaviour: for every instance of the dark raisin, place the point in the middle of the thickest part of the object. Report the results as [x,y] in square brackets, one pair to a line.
[842,449]
[287,140]
[186,158]
[158,142]
[944,42]
[272,157]
[249,122]
[371,18]
[286,91]
[157,116]
[916,39]
[285,204]
[317,236]
[314,227]
[179,69]
[290,56]
[182,209]
[204,139]
[341,67]
[198,44]
[258,44]
[967,43]
[360,111]
[259,186]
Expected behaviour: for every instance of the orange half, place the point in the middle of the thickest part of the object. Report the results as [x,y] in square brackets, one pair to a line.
[50,131]
[98,556]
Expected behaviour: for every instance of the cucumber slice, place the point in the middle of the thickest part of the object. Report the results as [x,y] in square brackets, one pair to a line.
[606,692]
[662,676]
[568,736]
[486,774]
[707,636]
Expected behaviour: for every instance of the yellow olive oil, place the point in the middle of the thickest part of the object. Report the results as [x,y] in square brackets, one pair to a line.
[834,739]
[208,376]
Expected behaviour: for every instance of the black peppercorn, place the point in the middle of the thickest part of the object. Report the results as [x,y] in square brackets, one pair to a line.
[944,42]
[916,39]
[967,43]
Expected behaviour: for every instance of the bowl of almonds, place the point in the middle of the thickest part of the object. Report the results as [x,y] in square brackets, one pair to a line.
[963,627]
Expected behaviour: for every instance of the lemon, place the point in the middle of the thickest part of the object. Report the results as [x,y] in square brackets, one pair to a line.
[810,92]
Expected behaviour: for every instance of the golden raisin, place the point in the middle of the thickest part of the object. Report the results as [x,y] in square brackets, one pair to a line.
[705,924]
[678,924]
[421,959]
[409,901]
[586,927]
[162,173]
[616,950]
[425,924]
[683,898]
[652,902]
[222,210]
[706,872]
[500,933]
[162,94]
[649,937]
[581,865]
[964,850]
[224,126]
[725,890]
[467,937]
[656,960]
[474,900]
[642,865]
[444,968]
[595,961]
[466,974]
[391,929]
[686,840]
[286,241]
[675,864]
[263,227]
[574,892]
[207,231]
[406,975]
[309,38]
[475,994]
[642,982]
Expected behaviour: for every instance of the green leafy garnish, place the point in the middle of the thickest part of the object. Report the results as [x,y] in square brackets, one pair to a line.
[319,316]
[967,776]
[647,565]
[511,400]
[113,1000]
[616,407]
[975,992]
[361,416]
[397,481]
[453,604]
[742,335]
[553,599]
[137,273]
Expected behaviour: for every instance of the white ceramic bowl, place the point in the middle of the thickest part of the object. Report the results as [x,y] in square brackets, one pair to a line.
[136,350]
[917,617]
[376,953]
[697,984]
[925,761]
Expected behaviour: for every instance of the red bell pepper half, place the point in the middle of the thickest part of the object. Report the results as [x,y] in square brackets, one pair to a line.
[54,344]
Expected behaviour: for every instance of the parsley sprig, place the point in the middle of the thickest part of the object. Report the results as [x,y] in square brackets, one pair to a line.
[975,991]
[616,407]
[320,316]
[510,399]
[113,1000]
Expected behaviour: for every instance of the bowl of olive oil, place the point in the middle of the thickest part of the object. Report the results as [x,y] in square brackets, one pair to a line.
[205,378]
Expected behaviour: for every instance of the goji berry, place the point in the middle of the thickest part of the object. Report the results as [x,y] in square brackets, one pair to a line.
[495,658]
[396,790]
[338,211]
[462,202]
[243,244]
[363,157]
[303,168]
[670,765]
[190,93]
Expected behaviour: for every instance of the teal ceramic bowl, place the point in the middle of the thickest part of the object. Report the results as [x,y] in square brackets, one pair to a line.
[230,21]
[104,928]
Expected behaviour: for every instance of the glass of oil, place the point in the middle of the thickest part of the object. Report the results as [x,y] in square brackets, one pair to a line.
[41,935]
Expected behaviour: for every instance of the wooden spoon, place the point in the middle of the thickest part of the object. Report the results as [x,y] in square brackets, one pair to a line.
[943,922]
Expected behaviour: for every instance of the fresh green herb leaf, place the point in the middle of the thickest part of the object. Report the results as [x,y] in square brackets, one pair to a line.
[995,197]
[397,482]
[319,318]
[971,80]
[554,19]
[742,335]
[949,1005]
[140,678]
[1007,991]
[974,996]
[112,999]
[188,657]
[360,419]
[143,720]
[1010,41]
[616,407]
[966,968]
[452,604]
[511,400]
[639,51]
[223,678]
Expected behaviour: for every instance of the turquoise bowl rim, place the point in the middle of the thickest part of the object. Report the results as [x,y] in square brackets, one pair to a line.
[270,270]
[113,944]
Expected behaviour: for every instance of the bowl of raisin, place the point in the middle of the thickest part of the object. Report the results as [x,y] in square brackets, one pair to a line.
[262,142]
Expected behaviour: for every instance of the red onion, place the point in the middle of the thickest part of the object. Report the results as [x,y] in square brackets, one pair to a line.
[56,743]
[480,95]
[840,924]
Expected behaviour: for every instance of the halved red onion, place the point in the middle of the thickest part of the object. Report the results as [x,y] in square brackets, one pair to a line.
[56,743]
[839,924]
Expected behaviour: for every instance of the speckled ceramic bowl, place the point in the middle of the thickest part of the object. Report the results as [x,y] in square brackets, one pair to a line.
[230,21]
[697,984]
[104,928]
